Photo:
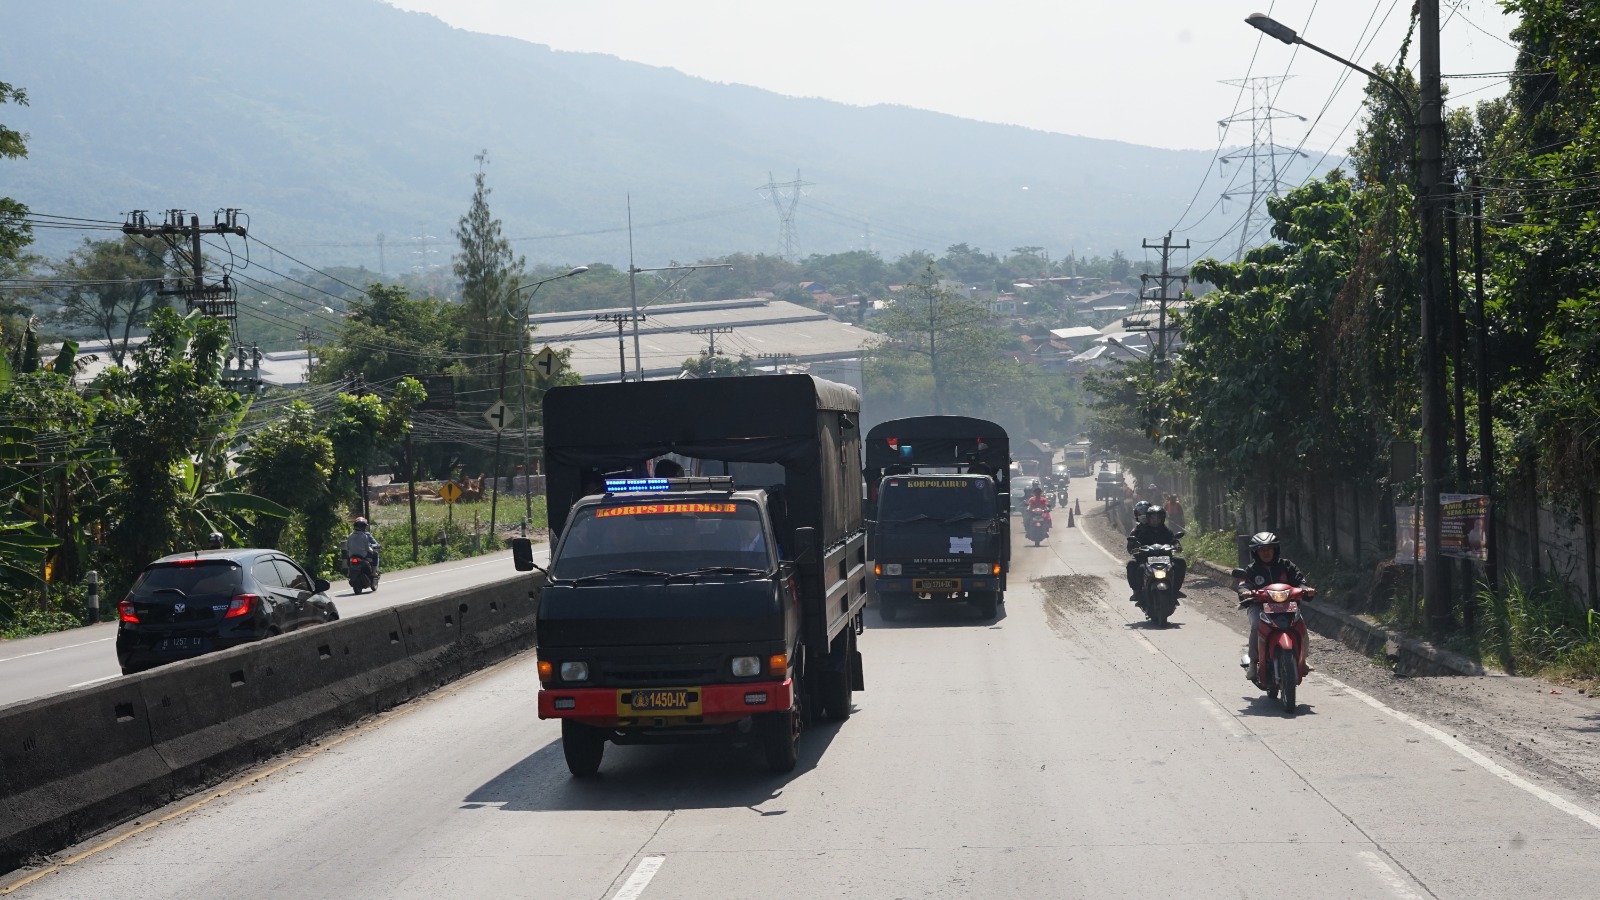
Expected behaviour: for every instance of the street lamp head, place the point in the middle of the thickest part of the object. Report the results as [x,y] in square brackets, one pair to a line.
[1272,28]
[578,270]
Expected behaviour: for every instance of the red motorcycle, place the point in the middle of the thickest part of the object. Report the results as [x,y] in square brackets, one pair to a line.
[1280,639]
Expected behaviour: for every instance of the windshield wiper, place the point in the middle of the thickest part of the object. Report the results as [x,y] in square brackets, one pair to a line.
[718,570]
[638,573]
[964,517]
[919,517]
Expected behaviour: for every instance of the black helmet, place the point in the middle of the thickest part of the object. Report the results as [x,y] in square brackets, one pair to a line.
[1264,539]
[1140,508]
[1155,515]
[214,541]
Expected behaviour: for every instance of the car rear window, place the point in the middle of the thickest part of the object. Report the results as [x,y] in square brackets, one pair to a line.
[210,577]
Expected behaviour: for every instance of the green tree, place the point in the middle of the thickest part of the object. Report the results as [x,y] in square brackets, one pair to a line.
[15,232]
[118,290]
[388,334]
[719,366]
[488,271]
[291,462]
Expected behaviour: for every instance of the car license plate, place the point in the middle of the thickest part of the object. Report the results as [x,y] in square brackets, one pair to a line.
[1158,559]
[1289,607]
[181,644]
[678,701]
[935,584]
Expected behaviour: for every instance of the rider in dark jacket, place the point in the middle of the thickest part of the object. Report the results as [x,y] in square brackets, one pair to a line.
[1152,529]
[1266,567]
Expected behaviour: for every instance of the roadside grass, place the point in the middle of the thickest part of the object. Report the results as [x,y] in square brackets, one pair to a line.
[444,534]
[64,608]
[1214,546]
[1538,628]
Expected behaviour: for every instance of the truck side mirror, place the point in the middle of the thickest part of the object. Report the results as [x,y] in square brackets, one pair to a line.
[808,549]
[522,554]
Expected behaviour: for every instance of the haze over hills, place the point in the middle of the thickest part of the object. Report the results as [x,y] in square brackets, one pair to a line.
[330,122]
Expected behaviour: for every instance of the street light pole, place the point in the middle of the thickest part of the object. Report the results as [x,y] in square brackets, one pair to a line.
[522,348]
[633,294]
[1427,128]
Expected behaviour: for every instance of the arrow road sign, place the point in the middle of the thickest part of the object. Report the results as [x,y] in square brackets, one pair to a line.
[495,415]
[547,363]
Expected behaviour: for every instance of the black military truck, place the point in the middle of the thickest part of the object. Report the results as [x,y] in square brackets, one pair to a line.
[938,512]
[721,605]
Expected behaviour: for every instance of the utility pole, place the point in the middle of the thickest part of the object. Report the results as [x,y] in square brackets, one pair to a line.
[1491,564]
[411,493]
[183,239]
[1430,133]
[1165,278]
[711,332]
[382,268]
[622,355]
[777,359]
[494,486]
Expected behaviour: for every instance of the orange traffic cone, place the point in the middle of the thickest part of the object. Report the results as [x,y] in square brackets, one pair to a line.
[1077,507]
[1072,519]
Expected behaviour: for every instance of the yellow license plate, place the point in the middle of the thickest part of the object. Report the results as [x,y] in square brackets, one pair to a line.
[659,701]
[935,584]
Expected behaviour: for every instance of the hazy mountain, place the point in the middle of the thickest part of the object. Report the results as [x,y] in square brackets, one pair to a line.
[332,121]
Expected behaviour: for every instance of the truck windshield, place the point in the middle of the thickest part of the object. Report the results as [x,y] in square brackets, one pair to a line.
[662,535]
[914,499]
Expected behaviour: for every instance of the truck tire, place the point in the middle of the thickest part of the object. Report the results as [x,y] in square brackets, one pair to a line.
[583,746]
[887,607]
[780,738]
[988,603]
[836,684]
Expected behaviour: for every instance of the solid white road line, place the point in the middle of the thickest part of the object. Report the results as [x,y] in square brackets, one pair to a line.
[1229,724]
[92,681]
[54,649]
[1391,879]
[640,879]
[1471,755]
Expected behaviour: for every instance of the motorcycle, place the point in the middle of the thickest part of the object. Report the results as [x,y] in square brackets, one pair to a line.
[1034,526]
[1280,640]
[362,574]
[1159,595]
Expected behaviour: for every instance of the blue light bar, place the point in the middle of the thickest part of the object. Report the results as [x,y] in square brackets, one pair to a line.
[636,485]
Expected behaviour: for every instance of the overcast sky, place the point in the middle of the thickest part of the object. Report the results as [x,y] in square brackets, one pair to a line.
[1143,71]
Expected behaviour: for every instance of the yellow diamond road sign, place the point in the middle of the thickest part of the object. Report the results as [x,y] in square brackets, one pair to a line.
[450,492]
[547,363]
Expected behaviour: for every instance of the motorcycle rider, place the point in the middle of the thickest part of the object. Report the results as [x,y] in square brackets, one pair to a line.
[214,542]
[362,544]
[1268,566]
[1152,529]
[1037,502]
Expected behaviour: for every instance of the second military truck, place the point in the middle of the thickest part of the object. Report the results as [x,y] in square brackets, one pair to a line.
[938,511]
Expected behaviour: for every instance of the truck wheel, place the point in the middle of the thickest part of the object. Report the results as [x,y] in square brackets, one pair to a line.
[583,746]
[836,692]
[780,738]
[887,608]
[988,603]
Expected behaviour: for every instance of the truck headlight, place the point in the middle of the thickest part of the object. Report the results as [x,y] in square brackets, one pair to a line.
[891,568]
[746,666]
[980,568]
[574,671]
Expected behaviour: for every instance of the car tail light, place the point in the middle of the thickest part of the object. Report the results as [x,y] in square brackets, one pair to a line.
[125,613]
[241,605]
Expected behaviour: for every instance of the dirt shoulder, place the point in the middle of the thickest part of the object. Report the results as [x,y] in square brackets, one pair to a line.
[1552,731]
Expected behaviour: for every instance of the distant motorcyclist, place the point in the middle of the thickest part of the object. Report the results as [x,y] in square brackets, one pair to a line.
[1266,567]
[1152,529]
[361,544]
[214,542]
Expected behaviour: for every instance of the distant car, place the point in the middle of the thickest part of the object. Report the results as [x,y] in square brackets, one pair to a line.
[189,604]
[1109,483]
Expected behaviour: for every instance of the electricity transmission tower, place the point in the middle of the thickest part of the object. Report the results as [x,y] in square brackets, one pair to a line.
[1263,153]
[786,197]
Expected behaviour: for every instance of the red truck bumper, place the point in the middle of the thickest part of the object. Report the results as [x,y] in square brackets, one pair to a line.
[717,704]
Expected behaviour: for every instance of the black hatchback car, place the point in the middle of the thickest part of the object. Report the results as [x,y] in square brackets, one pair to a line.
[192,603]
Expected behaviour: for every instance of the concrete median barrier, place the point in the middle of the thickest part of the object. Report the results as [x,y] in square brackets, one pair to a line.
[77,763]
[73,763]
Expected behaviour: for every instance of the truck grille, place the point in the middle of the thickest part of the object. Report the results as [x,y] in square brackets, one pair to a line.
[651,671]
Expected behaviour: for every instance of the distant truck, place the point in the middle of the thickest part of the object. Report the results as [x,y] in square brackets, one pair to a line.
[938,512]
[1078,459]
[719,607]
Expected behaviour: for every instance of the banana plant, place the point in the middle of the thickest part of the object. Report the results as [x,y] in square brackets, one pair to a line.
[221,506]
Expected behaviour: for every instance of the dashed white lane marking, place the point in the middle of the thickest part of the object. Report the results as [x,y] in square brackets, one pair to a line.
[640,879]
[1473,756]
[54,649]
[1391,879]
[1226,720]
[93,681]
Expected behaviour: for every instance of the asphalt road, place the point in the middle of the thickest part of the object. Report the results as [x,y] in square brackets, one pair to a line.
[37,666]
[1064,750]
